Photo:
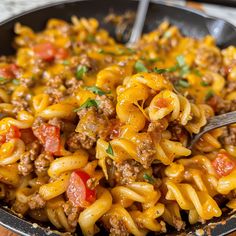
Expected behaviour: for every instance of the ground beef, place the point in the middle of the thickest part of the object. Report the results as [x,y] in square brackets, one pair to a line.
[27,81]
[21,103]
[72,213]
[106,106]
[55,94]
[231,86]
[55,82]
[57,122]
[208,57]
[19,207]
[36,201]
[221,106]
[77,140]
[117,227]
[72,84]
[146,150]
[93,124]
[178,223]
[229,136]
[26,165]
[37,123]
[42,163]
[127,171]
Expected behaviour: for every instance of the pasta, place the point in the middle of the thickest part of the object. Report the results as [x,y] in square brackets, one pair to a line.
[94,133]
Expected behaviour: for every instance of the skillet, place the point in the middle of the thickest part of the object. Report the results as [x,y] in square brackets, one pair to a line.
[191,23]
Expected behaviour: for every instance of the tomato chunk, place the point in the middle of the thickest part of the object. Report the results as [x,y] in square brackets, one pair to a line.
[223,163]
[9,71]
[162,102]
[61,53]
[49,136]
[27,135]
[78,192]
[45,51]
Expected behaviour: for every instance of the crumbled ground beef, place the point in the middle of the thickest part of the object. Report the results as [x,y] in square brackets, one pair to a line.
[127,171]
[72,84]
[36,201]
[72,213]
[42,163]
[178,223]
[118,227]
[106,106]
[77,140]
[221,106]
[55,94]
[19,207]
[21,103]
[57,122]
[26,165]
[231,86]
[146,150]
[209,57]
[229,136]
[35,127]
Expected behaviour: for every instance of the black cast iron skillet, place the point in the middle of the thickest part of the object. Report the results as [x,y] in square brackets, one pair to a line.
[191,23]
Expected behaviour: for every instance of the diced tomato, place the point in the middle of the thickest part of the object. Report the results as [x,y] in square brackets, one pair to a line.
[115,128]
[2,139]
[13,132]
[45,51]
[213,101]
[78,192]
[27,135]
[49,136]
[223,163]
[61,54]
[9,71]
[162,102]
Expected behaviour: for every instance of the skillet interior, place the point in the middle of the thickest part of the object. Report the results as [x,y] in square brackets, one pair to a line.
[190,22]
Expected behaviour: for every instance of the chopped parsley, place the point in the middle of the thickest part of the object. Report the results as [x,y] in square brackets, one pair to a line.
[109,150]
[15,81]
[3,80]
[183,67]
[204,83]
[66,62]
[149,178]
[91,38]
[183,83]
[209,95]
[140,67]
[153,60]
[165,70]
[80,72]
[96,90]
[197,72]
[88,103]
[167,34]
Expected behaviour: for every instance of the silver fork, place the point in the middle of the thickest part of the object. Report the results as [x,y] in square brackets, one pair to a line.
[139,22]
[214,123]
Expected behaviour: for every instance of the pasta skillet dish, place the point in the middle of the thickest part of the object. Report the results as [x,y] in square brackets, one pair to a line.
[94,133]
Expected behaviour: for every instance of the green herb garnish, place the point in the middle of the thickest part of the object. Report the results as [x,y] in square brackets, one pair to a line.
[109,150]
[120,51]
[197,72]
[165,70]
[183,83]
[140,67]
[183,67]
[3,80]
[66,62]
[16,81]
[204,83]
[80,72]
[91,38]
[167,34]
[88,103]
[209,95]
[148,178]
[96,90]
[153,60]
